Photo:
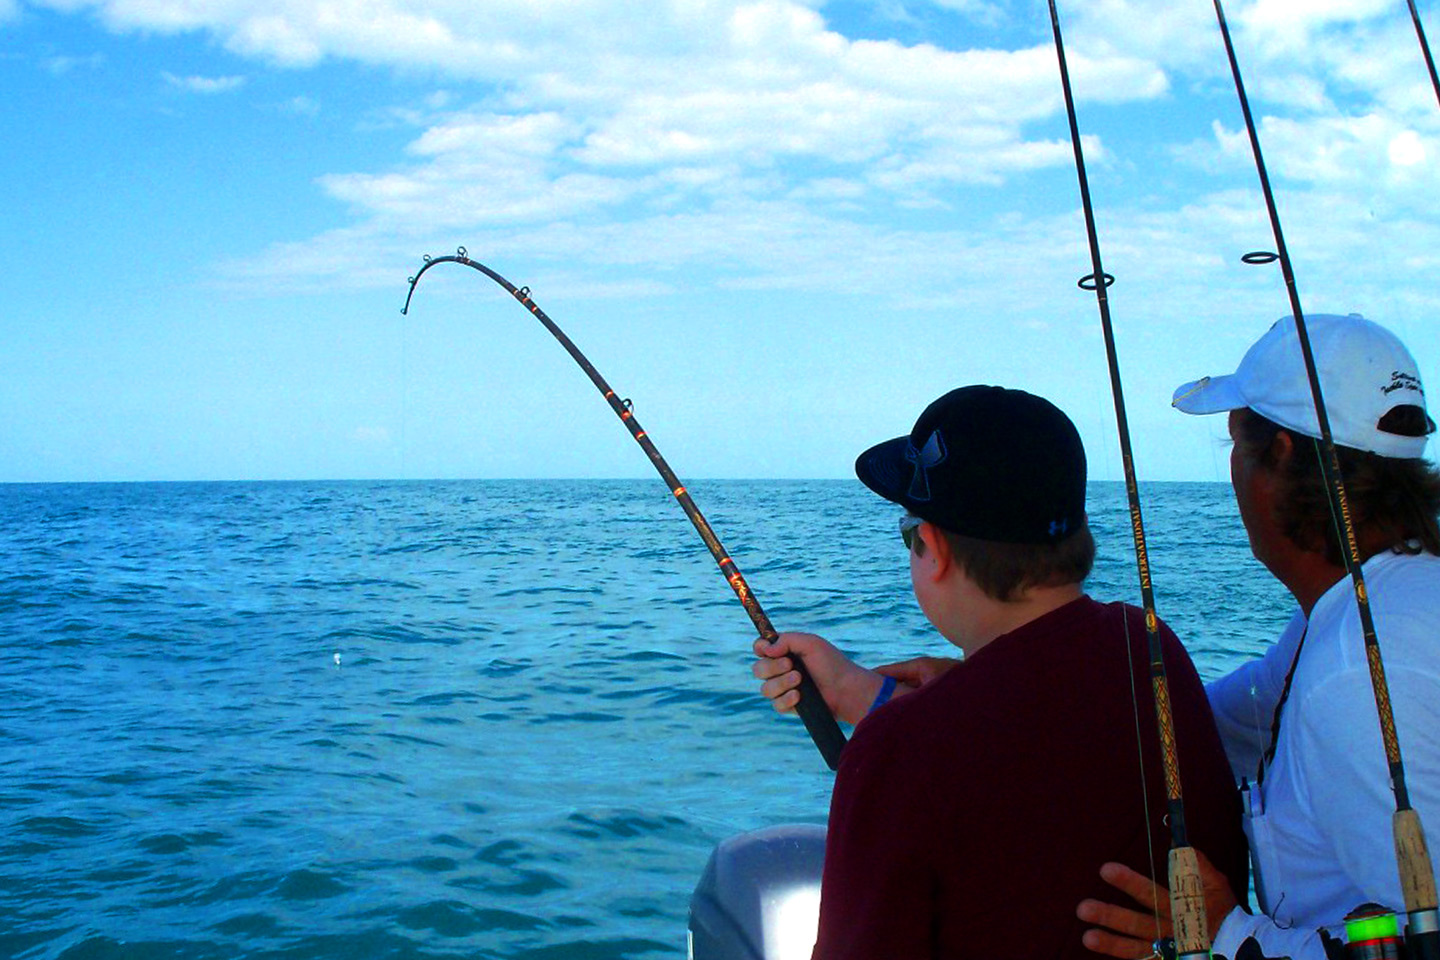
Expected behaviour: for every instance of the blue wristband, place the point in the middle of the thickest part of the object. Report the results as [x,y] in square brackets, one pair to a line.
[886,689]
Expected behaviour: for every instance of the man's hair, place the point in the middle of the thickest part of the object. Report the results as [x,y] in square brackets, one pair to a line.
[1003,570]
[1393,501]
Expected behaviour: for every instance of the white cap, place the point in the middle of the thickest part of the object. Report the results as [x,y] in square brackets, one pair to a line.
[1365,372]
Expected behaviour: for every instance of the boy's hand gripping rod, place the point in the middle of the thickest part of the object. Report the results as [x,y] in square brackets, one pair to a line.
[818,721]
[1417,875]
[1187,891]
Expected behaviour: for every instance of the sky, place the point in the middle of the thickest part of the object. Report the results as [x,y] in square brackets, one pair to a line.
[779,227]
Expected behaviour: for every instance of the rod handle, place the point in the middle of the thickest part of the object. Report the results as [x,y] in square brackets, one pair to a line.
[819,722]
[1417,876]
[1187,904]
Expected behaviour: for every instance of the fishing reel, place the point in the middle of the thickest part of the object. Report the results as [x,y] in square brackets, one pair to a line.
[1372,932]
[1249,950]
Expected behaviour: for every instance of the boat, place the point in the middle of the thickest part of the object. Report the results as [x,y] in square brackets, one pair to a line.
[759,896]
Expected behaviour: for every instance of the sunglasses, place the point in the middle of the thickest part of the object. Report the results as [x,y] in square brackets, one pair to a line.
[908,525]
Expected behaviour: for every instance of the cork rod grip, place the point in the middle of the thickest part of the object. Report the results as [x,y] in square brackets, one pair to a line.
[1417,876]
[1187,904]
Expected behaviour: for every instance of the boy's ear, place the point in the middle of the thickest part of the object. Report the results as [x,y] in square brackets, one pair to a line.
[937,549]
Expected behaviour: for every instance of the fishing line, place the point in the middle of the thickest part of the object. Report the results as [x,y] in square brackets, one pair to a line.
[1417,876]
[820,724]
[404,400]
[1187,892]
[1425,48]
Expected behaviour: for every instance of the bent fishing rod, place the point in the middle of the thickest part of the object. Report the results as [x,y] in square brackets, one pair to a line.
[820,724]
[1417,876]
[1187,892]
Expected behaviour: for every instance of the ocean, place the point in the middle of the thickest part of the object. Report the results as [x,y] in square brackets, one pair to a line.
[481,719]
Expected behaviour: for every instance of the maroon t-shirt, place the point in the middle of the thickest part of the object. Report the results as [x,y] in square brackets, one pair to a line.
[971,817]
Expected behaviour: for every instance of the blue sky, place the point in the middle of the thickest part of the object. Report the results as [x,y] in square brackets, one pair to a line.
[780,227]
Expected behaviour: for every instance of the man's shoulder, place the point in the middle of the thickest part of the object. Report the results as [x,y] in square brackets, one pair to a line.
[1407,582]
[1404,596]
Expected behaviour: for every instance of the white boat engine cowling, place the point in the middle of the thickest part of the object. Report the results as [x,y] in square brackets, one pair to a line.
[759,897]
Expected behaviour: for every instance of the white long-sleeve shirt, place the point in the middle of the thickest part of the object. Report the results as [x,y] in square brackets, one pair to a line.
[1320,823]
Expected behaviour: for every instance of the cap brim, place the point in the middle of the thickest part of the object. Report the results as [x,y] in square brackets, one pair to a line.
[1209,395]
[884,469]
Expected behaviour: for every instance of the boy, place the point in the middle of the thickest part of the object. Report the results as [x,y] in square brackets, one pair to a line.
[1036,759]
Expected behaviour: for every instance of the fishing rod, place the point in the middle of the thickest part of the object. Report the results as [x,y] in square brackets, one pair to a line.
[1425,47]
[1417,876]
[818,721]
[1187,892]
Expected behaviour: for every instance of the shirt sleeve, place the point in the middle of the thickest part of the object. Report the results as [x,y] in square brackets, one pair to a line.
[1243,700]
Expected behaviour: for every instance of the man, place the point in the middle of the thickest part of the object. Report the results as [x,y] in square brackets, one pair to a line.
[1021,769]
[1300,725]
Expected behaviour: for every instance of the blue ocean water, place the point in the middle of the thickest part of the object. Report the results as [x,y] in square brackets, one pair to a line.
[488,719]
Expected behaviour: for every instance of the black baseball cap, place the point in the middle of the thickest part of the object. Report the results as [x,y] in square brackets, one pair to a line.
[986,462]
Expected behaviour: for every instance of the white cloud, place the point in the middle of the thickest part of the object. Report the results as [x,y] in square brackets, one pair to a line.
[485,169]
[781,100]
[1407,149]
[61,65]
[1152,29]
[301,33]
[1373,158]
[1284,22]
[204,85]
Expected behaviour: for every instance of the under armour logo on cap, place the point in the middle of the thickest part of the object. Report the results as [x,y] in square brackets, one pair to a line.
[931,455]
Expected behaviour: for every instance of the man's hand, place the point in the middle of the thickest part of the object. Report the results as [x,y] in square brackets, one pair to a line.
[1130,934]
[919,671]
